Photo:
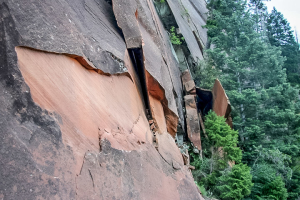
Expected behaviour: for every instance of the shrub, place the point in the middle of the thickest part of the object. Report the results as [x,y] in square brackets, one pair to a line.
[175,39]
[235,184]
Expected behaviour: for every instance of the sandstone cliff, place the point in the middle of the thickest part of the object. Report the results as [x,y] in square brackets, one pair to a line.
[91,98]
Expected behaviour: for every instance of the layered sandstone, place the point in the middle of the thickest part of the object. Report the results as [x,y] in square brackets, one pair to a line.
[73,107]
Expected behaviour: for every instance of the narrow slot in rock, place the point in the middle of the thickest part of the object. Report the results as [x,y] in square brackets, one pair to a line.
[137,58]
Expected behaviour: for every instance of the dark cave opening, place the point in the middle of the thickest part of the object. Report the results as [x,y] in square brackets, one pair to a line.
[204,101]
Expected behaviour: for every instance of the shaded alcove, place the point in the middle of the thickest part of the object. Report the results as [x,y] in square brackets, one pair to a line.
[204,100]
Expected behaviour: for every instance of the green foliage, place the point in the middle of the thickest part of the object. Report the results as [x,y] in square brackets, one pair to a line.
[202,189]
[222,136]
[160,1]
[257,64]
[293,186]
[235,184]
[280,34]
[214,171]
[175,39]
[268,165]
[275,190]
[205,74]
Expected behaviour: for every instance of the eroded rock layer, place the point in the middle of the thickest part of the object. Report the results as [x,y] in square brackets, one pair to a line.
[73,117]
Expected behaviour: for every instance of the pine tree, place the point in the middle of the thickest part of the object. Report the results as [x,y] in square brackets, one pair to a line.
[223,140]
[265,106]
[214,172]
[236,183]
[260,14]
[280,34]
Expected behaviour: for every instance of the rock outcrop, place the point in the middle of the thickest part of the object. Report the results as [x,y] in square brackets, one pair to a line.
[79,82]
[198,103]
[221,104]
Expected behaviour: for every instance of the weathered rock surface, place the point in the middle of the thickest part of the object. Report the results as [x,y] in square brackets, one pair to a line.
[83,28]
[190,87]
[190,16]
[72,114]
[192,121]
[221,103]
[186,77]
[162,69]
[199,102]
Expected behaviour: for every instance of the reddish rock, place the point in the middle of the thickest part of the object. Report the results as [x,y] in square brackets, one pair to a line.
[161,69]
[165,144]
[192,121]
[172,122]
[191,167]
[85,116]
[202,124]
[158,115]
[186,77]
[72,112]
[229,121]
[82,119]
[186,158]
[190,87]
[221,104]
[126,13]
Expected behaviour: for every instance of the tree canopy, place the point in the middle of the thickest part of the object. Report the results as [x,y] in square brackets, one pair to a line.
[256,57]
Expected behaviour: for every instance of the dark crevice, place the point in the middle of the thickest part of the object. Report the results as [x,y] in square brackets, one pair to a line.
[204,101]
[137,58]
[109,2]
[166,15]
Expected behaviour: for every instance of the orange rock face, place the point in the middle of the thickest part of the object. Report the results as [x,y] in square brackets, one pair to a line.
[107,131]
[87,113]
[221,104]
[74,108]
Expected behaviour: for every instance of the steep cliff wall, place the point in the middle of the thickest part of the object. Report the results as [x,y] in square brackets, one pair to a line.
[90,101]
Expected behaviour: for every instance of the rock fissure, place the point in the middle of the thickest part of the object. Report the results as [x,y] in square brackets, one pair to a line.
[85,62]
[138,60]
[92,178]
[100,107]
[134,123]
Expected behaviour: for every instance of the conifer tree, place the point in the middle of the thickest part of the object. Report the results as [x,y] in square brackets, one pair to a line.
[236,183]
[280,34]
[265,105]
[216,171]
